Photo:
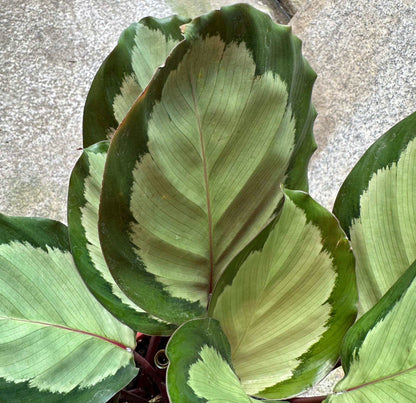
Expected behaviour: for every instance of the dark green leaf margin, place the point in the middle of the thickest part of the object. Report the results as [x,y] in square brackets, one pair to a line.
[40,233]
[99,119]
[98,285]
[383,153]
[356,335]
[183,351]
[275,49]
[317,362]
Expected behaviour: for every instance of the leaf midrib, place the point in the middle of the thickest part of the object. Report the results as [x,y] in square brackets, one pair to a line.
[374,382]
[207,193]
[35,322]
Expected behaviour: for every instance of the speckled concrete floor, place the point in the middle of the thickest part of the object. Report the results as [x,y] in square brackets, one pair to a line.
[49,53]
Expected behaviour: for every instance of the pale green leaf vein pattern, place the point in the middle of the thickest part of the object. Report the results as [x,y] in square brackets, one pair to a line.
[192,212]
[89,220]
[126,72]
[53,333]
[383,367]
[278,301]
[212,378]
[144,61]
[384,237]
[200,368]
[83,206]
[123,101]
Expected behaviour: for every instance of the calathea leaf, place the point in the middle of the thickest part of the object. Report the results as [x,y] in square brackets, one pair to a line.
[83,203]
[287,300]
[377,206]
[57,343]
[194,171]
[379,353]
[127,70]
[200,368]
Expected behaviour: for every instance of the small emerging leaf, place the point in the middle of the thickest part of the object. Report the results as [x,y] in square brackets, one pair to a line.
[57,343]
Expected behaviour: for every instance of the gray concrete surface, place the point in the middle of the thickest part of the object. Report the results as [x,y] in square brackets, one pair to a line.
[364,53]
[280,10]
[49,53]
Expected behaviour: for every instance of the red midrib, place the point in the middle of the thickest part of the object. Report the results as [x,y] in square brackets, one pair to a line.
[204,163]
[116,343]
[379,380]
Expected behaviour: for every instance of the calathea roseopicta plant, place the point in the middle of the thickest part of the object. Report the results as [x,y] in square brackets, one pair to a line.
[188,217]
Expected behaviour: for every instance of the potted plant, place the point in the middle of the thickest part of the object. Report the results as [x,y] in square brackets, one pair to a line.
[195,266]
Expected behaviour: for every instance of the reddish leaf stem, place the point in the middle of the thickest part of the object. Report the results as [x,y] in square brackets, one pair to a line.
[311,399]
[139,336]
[147,367]
[153,346]
[151,372]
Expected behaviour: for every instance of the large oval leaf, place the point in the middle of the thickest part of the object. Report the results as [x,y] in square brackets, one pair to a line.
[127,70]
[379,352]
[287,300]
[377,206]
[200,368]
[57,343]
[83,203]
[194,171]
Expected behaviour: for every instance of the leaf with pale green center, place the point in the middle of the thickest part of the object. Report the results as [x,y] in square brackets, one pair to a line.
[379,351]
[287,300]
[57,343]
[377,206]
[200,368]
[83,203]
[194,171]
[125,73]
